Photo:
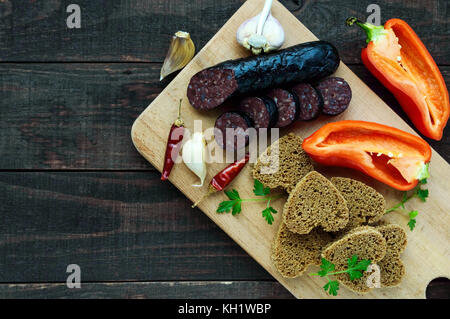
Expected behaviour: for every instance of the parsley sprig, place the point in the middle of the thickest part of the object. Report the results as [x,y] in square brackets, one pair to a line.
[418,192]
[234,204]
[354,269]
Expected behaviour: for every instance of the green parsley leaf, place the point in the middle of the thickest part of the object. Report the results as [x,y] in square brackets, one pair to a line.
[226,206]
[412,224]
[418,192]
[259,190]
[422,194]
[267,214]
[354,274]
[233,205]
[413,214]
[326,267]
[232,194]
[236,208]
[356,268]
[352,261]
[362,265]
[332,287]
[229,205]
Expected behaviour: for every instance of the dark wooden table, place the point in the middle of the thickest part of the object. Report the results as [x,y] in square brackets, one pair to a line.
[73,190]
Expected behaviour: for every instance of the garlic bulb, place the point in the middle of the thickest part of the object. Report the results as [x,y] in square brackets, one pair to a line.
[181,51]
[262,32]
[194,153]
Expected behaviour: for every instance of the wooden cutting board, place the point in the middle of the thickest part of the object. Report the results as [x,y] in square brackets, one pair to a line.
[427,254]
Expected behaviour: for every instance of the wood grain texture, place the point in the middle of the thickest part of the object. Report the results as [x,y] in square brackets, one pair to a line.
[438,289]
[73,116]
[152,290]
[78,116]
[118,226]
[149,134]
[139,30]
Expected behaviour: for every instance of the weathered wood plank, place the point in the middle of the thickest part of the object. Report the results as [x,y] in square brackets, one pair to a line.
[152,290]
[437,289]
[126,226]
[79,116]
[139,30]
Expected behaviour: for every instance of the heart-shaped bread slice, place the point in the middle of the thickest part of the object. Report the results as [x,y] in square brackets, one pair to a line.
[392,269]
[315,202]
[367,243]
[293,253]
[283,164]
[365,204]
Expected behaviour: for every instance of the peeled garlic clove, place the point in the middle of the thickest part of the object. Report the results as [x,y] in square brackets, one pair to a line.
[193,154]
[181,51]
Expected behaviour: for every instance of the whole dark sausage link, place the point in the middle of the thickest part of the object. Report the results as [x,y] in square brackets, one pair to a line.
[304,62]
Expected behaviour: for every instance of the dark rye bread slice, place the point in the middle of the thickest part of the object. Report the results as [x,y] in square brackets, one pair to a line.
[283,163]
[391,266]
[315,202]
[365,205]
[367,243]
[293,253]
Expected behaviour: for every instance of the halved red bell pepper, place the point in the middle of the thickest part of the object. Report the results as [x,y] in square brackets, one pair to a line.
[396,56]
[392,156]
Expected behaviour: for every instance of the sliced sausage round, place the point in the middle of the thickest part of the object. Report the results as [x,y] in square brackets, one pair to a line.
[309,101]
[237,136]
[336,94]
[287,106]
[261,110]
[211,87]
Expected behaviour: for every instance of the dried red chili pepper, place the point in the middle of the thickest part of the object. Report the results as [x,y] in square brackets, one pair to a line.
[225,177]
[174,140]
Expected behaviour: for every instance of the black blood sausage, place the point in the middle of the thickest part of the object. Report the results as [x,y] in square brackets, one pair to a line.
[309,101]
[336,94]
[287,106]
[309,61]
[261,110]
[235,138]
